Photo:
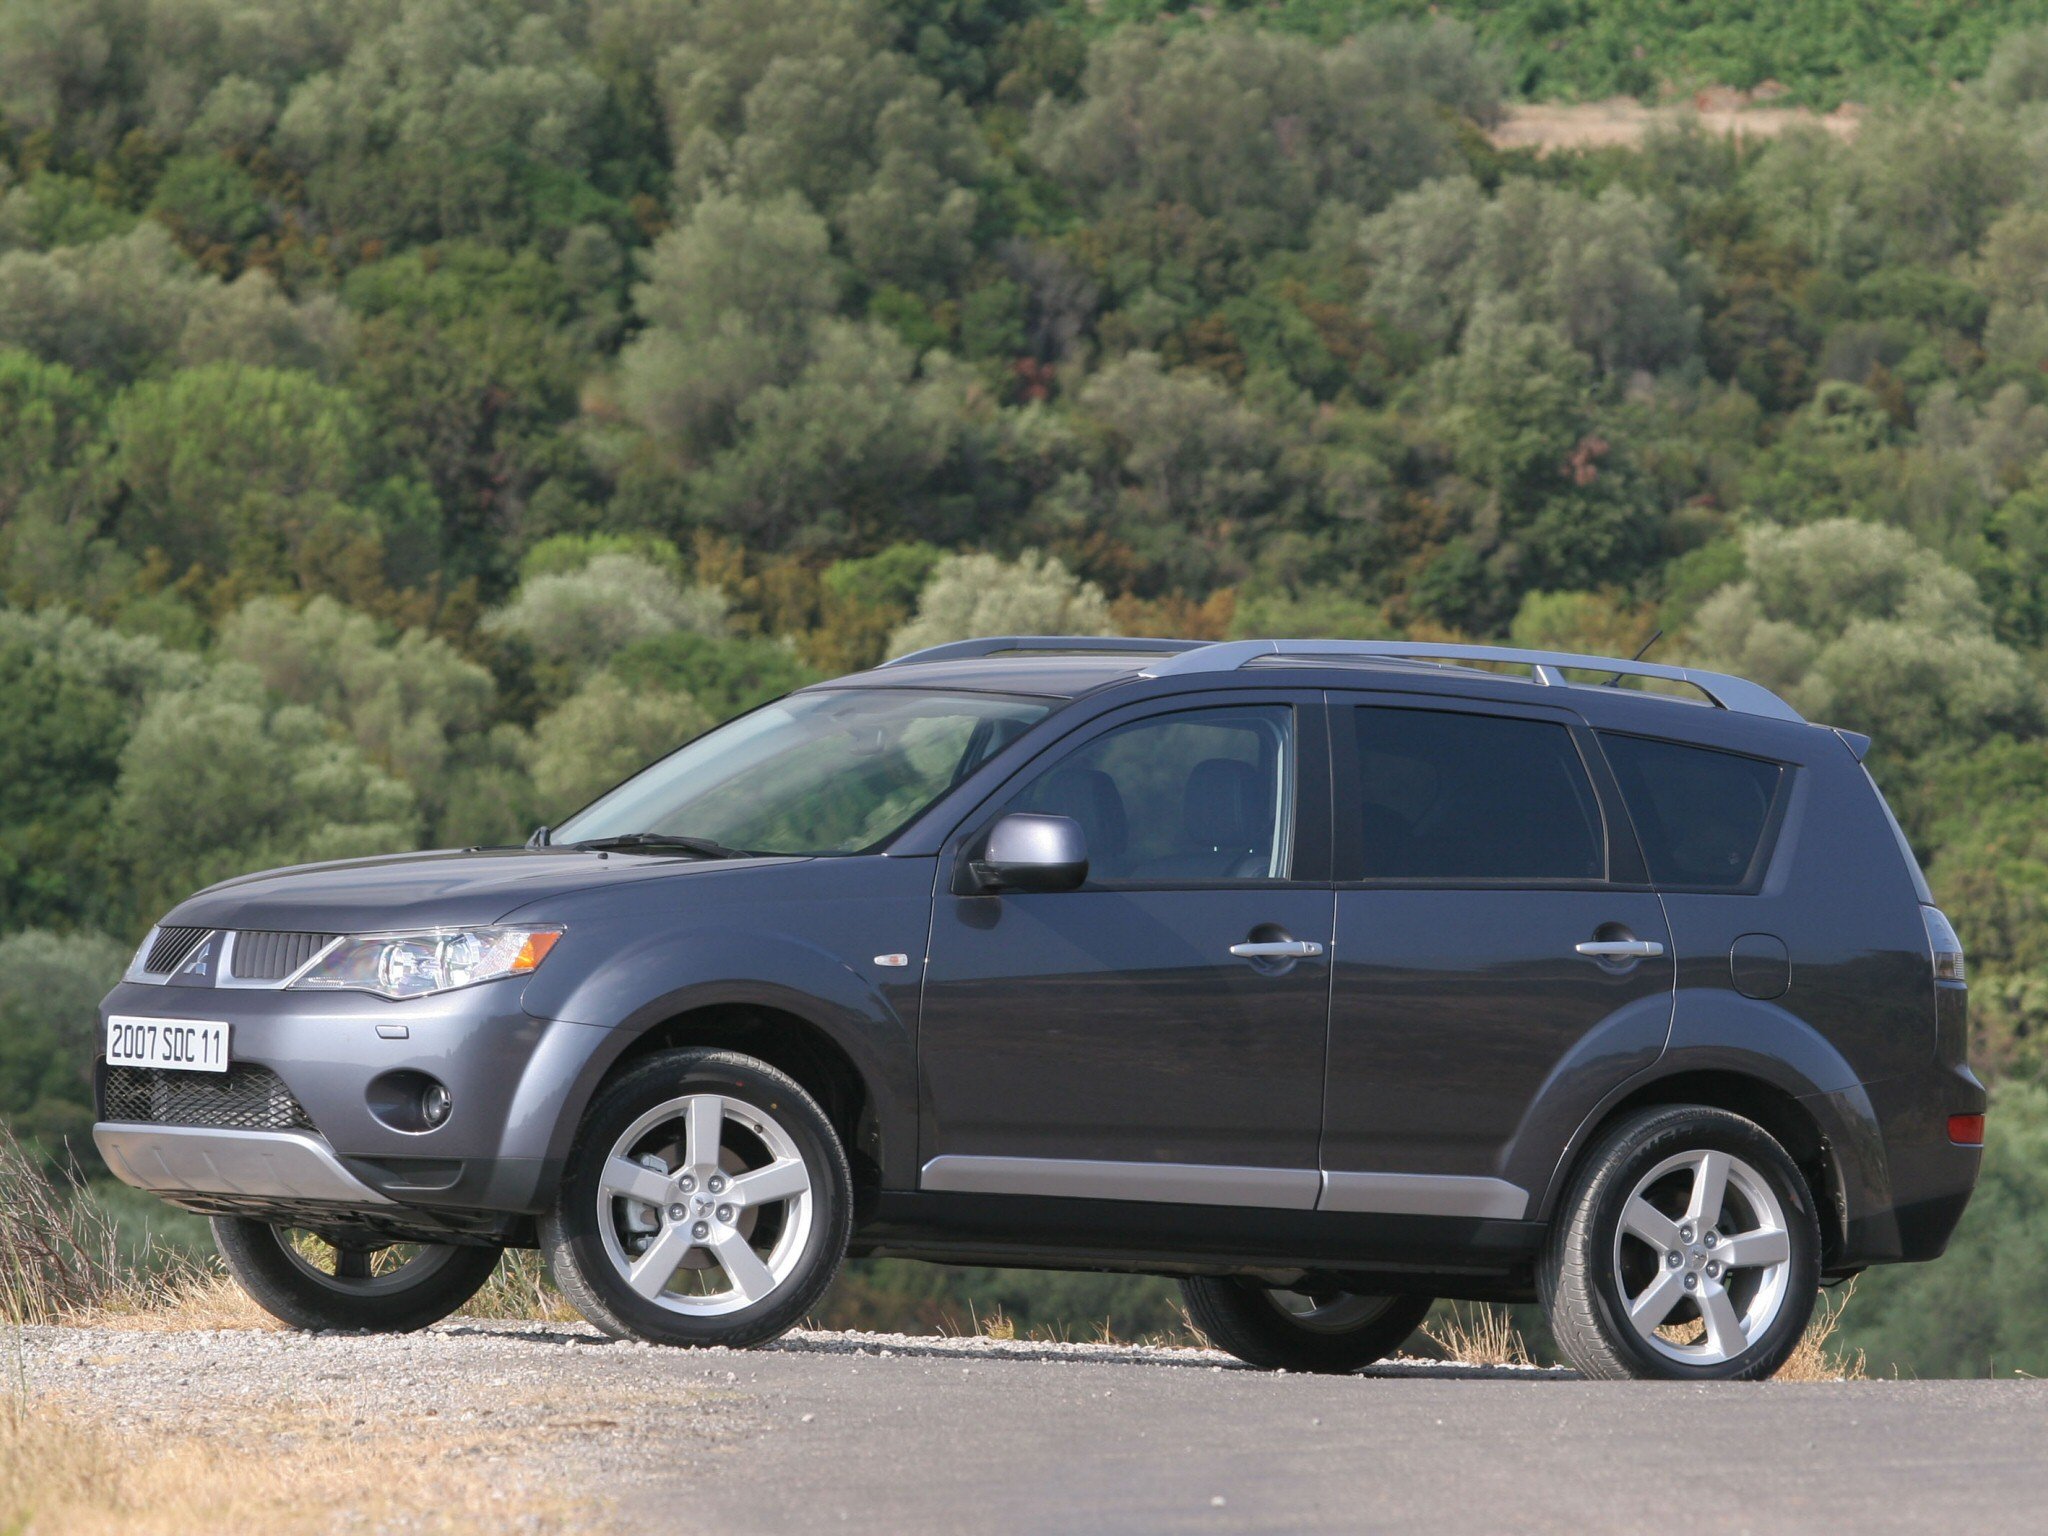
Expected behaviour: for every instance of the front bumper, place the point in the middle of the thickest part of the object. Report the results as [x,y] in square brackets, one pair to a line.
[248,1165]
[509,1077]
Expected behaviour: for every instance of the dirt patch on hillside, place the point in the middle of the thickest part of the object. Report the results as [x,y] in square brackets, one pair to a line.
[1623,121]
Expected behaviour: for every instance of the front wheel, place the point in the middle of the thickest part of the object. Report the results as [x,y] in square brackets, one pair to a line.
[1323,1330]
[318,1284]
[708,1202]
[1687,1249]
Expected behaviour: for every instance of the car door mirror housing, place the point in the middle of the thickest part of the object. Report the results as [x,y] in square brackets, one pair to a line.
[1025,852]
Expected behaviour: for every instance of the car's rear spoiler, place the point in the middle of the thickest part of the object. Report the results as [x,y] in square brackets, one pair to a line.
[1857,743]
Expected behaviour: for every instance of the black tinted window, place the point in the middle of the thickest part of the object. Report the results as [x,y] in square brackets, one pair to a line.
[1449,796]
[1698,813]
[1200,797]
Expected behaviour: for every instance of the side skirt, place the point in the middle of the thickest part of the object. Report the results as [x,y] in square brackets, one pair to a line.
[1484,1258]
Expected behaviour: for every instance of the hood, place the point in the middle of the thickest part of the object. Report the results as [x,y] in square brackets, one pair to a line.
[424,890]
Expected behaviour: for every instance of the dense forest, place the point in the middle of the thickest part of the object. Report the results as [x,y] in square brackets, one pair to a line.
[414,414]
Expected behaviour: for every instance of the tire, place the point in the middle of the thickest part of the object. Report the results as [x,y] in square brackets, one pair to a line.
[1331,1333]
[718,1261]
[1634,1234]
[338,1290]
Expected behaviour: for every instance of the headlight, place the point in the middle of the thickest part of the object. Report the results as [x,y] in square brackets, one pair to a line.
[416,964]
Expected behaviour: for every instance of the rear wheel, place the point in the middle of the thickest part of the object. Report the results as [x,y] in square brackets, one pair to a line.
[709,1202]
[1318,1329]
[1687,1249]
[318,1283]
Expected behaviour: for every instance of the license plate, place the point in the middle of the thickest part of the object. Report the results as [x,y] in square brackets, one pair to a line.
[182,1045]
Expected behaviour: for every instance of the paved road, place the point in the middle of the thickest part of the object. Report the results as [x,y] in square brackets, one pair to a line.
[867,1434]
[931,1442]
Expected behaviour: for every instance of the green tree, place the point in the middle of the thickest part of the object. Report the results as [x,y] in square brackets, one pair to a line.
[970,595]
[1860,626]
[217,781]
[50,987]
[1977,1312]
[840,458]
[412,703]
[1255,128]
[579,619]
[236,468]
[443,119]
[71,694]
[731,303]
[603,733]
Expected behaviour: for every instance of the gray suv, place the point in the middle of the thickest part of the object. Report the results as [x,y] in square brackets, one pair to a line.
[1326,977]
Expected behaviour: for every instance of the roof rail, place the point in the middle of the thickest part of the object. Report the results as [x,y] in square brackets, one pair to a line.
[996,645]
[1731,693]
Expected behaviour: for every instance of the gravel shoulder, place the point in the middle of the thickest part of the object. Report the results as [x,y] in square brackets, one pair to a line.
[882,1433]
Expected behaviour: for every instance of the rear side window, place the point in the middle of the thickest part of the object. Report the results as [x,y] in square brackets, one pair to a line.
[1444,795]
[1700,814]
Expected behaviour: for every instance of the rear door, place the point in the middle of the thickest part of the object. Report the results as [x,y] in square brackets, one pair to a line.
[1499,953]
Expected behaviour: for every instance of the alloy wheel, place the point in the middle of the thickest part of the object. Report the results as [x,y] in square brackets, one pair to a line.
[1702,1257]
[705,1205]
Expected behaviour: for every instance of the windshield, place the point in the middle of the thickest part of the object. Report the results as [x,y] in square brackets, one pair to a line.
[815,773]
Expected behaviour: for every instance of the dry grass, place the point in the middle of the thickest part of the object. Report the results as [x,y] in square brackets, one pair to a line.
[58,1254]
[1816,1359]
[276,1466]
[191,1300]
[519,1290]
[1475,1333]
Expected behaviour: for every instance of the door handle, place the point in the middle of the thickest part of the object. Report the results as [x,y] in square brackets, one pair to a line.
[1277,949]
[1620,949]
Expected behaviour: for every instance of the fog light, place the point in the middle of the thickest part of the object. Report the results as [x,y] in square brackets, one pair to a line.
[1966,1130]
[435,1105]
[410,1101]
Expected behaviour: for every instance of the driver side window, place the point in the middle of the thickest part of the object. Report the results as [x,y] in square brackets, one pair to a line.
[1201,797]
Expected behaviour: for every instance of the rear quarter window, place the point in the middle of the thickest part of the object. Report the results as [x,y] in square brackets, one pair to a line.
[1701,815]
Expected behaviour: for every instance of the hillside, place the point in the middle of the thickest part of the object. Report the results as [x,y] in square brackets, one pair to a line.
[412,417]
[1816,52]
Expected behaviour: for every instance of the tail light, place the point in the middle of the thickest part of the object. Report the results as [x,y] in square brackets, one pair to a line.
[1945,947]
[1966,1130]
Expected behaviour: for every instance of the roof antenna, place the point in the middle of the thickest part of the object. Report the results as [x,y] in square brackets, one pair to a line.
[1639,655]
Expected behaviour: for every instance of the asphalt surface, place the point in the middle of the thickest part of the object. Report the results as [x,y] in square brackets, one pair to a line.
[873,1433]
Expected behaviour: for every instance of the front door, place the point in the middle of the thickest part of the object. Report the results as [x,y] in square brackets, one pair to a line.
[1138,1038]
[1500,962]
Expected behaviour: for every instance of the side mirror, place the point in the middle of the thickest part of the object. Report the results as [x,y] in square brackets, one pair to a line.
[1031,853]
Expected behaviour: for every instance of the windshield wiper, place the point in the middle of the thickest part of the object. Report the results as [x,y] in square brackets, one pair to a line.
[660,842]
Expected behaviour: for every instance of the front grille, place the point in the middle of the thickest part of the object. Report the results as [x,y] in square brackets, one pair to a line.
[246,1097]
[171,949]
[261,956]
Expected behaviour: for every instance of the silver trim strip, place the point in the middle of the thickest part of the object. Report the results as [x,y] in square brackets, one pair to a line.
[1731,693]
[1423,1194]
[206,1160]
[1290,1189]
[996,645]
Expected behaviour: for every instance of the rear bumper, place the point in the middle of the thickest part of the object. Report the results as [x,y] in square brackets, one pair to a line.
[1918,1181]
[252,1165]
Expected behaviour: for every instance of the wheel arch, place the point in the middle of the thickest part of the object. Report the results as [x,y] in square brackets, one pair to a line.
[786,1036]
[1789,1118]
